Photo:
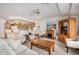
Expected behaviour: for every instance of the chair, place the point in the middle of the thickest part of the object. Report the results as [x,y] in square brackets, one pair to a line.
[72,43]
[17,35]
[7,33]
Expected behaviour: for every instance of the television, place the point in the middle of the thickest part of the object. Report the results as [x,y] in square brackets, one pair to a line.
[64,30]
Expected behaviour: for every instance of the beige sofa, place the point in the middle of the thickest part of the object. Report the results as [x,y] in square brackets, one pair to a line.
[12,48]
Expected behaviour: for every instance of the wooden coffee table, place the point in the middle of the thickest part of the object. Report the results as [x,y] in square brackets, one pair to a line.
[46,44]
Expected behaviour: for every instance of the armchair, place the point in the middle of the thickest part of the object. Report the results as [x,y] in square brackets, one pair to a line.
[72,43]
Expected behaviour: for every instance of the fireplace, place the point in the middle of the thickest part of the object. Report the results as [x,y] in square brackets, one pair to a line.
[49,35]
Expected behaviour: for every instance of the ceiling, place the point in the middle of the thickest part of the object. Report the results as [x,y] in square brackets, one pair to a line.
[27,10]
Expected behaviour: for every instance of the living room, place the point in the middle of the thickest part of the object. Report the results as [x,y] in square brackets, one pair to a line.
[40,29]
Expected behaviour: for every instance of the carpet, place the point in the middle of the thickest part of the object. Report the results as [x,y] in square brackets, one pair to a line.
[60,49]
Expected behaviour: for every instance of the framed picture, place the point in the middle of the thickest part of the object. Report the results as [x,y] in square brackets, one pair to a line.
[54,26]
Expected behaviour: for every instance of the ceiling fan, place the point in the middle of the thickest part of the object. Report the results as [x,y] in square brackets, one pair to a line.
[35,12]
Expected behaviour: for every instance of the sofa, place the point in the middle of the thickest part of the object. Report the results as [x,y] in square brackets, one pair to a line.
[12,47]
[15,35]
[5,49]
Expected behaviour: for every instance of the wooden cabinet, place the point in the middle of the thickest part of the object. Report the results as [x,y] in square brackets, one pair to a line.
[20,25]
[62,37]
[72,27]
[66,29]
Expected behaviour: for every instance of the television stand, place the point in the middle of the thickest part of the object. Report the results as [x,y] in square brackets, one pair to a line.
[66,29]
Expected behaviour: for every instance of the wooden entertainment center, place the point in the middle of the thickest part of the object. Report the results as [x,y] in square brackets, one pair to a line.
[67,29]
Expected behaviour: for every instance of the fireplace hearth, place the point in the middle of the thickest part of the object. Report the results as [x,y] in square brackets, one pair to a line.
[49,35]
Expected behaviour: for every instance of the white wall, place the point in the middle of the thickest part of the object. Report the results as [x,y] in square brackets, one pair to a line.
[78,25]
[42,23]
[2,34]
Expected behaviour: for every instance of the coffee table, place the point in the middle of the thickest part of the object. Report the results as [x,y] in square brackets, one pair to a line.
[46,44]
